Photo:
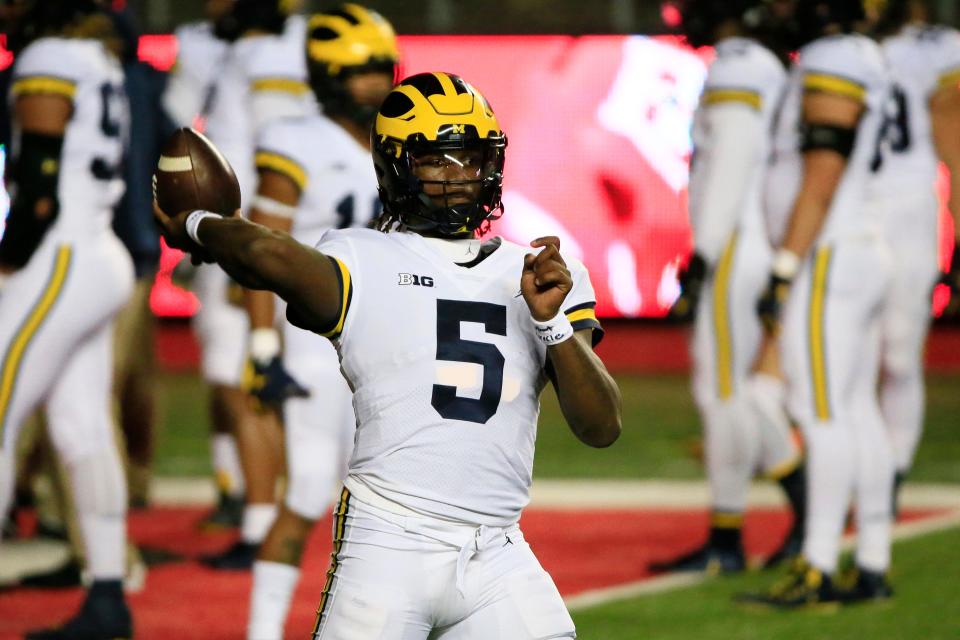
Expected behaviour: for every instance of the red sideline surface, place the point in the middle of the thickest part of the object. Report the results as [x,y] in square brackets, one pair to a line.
[627,347]
[184,600]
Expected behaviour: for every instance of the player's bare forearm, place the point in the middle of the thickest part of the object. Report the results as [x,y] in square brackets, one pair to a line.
[945,125]
[253,255]
[260,308]
[259,258]
[589,397]
[822,171]
[259,303]
[806,220]
[823,166]
[954,202]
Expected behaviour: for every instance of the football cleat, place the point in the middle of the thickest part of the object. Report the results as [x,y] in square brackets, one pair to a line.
[789,550]
[803,587]
[103,616]
[239,557]
[226,515]
[863,585]
[709,559]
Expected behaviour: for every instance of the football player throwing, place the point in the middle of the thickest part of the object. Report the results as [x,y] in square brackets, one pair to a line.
[446,342]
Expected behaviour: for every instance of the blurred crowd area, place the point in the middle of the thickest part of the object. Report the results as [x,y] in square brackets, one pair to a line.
[574,17]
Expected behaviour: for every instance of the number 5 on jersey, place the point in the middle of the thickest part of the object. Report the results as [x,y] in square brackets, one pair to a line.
[452,347]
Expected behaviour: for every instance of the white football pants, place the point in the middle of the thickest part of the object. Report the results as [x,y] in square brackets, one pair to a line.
[910,221]
[831,353]
[727,334]
[408,577]
[56,336]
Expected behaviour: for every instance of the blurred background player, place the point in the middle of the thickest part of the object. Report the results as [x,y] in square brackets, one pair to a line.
[134,374]
[731,256]
[922,129]
[315,174]
[829,278]
[264,78]
[66,278]
[201,51]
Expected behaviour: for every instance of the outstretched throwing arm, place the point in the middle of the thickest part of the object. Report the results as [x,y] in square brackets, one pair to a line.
[259,258]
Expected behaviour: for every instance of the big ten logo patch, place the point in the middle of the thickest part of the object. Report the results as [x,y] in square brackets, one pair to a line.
[415,280]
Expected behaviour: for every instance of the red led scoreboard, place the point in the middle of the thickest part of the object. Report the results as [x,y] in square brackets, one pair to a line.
[599,148]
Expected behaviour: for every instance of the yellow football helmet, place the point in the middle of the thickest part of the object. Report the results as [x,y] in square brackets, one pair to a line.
[429,114]
[347,40]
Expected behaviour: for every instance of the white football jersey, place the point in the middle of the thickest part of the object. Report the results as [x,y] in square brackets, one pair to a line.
[264,78]
[746,73]
[847,65]
[338,185]
[446,372]
[91,176]
[200,56]
[921,59]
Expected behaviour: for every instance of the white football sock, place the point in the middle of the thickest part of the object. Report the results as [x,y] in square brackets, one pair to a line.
[257,520]
[830,479]
[100,495]
[273,587]
[901,400]
[6,485]
[779,453]
[226,464]
[874,486]
[731,449]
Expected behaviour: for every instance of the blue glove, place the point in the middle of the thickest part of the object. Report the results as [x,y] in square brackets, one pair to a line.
[770,304]
[271,384]
[691,279]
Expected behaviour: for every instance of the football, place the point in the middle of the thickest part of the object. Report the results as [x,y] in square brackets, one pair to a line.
[192,174]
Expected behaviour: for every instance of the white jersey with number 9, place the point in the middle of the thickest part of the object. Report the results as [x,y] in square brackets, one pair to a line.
[84,72]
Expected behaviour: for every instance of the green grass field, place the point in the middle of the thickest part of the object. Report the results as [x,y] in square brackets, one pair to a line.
[659,425]
[925,607]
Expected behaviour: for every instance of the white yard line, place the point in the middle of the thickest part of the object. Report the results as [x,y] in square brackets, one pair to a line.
[34,555]
[672,582]
[598,494]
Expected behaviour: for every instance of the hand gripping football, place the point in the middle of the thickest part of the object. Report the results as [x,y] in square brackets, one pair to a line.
[192,174]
